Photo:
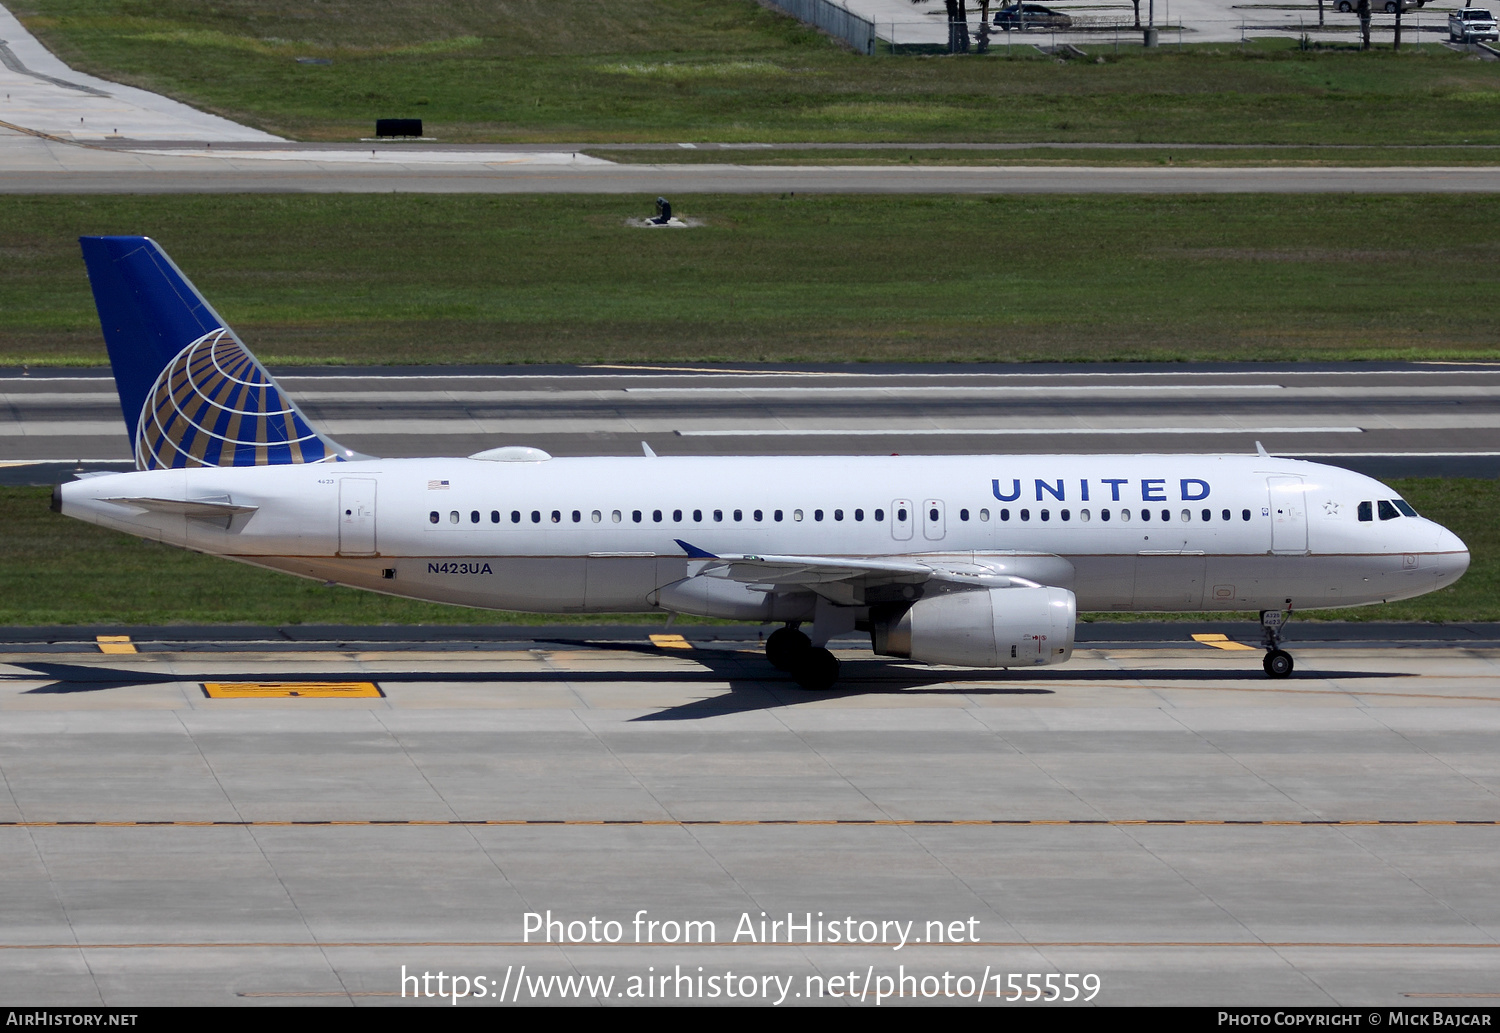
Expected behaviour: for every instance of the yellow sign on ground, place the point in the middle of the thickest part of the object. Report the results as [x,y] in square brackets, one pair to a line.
[670,642]
[115,644]
[1220,642]
[285,689]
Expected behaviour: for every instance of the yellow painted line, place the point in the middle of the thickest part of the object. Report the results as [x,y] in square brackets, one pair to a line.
[670,642]
[1220,642]
[744,822]
[115,644]
[288,689]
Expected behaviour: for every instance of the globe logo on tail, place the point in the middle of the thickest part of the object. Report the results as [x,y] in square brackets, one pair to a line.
[215,405]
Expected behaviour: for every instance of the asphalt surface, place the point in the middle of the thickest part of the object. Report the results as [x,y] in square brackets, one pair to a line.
[1163,818]
[29,165]
[1391,420]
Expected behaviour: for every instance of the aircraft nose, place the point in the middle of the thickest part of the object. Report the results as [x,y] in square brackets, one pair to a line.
[1452,557]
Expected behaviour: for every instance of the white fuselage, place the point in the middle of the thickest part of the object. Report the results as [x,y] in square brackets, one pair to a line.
[1146,532]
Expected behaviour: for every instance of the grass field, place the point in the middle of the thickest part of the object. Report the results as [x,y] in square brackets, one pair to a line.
[447,279]
[730,70]
[61,571]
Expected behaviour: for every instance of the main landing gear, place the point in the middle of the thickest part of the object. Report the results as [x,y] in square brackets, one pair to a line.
[810,666]
[1278,662]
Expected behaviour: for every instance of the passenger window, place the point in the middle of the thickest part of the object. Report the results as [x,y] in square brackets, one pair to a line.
[1187,515]
[1104,515]
[1065,515]
[577,517]
[1145,514]
[859,514]
[838,514]
[879,515]
[1046,514]
[473,516]
[453,517]
[901,513]
[776,516]
[797,514]
[1386,510]
[515,516]
[676,516]
[1208,515]
[494,516]
[615,516]
[433,517]
[536,516]
[932,514]
[1225,514]
[1025,514]
[817,514]
[697,516]
[739,515]
[656,515]
[984,515]
[596,516]
[635,515]
[1244,514]
[718,515]
[1124,516]
[1166,515]
[1004,515]
[1083,515]
[556,516]
[1404,507]
[759,516]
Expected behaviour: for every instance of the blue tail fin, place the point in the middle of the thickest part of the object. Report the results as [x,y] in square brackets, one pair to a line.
[192,394]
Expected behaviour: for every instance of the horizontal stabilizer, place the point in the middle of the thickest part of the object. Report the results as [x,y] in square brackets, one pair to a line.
[186,507]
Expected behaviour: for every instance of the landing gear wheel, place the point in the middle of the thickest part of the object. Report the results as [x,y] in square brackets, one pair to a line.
[1278,663]
[816,669]
[785,646]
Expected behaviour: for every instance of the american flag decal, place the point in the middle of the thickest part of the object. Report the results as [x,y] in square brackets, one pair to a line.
[437,485]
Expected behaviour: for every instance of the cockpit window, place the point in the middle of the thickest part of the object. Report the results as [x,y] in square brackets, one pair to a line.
[1404,507]
[1386,510]
[1367,511]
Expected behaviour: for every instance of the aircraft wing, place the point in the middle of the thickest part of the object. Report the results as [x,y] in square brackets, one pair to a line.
[847,580]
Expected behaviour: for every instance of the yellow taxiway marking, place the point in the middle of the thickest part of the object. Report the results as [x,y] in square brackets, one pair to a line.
[286,689]
[740,822]
[115,644]
[670,642]
[1221,642]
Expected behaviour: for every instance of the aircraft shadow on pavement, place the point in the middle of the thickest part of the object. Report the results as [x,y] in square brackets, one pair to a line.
[752,682]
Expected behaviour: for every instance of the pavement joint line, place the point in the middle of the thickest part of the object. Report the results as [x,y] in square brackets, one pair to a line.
[776,822]
[989,944]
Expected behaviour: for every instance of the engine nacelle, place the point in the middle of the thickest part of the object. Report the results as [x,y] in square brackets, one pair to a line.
[997,627]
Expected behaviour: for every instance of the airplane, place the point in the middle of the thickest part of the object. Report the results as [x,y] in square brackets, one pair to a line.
[973,561]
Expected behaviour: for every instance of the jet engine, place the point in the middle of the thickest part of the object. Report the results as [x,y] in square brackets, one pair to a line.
[997,627]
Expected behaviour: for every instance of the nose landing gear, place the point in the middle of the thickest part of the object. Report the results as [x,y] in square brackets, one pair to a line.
[1278,662]
[810,666]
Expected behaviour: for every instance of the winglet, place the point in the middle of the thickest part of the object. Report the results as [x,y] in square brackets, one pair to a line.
[694,553]
[1260,450]
[647,451]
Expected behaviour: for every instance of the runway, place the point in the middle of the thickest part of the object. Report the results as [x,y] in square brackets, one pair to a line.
[30,165]
[1408,419]
[1156,814]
